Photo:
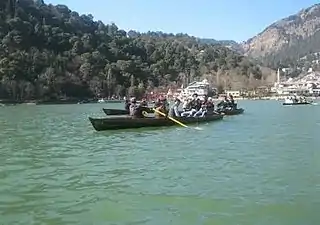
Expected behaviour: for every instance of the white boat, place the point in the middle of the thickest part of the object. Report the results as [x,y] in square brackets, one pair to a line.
[101,100]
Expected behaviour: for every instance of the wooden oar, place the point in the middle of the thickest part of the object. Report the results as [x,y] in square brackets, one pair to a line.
[174,120]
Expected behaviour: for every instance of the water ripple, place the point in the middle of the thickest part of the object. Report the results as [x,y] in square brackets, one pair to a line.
[258,168]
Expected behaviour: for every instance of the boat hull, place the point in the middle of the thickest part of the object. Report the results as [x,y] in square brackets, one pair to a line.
[115,112]
[297,103]
[100,124]
[118,112]
[232,112]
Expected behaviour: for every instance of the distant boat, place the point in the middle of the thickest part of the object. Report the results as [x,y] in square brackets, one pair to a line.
[297,103]
[292,102]
[110,101]
[101,100]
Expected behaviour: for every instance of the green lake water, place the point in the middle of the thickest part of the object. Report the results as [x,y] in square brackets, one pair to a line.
[259,168]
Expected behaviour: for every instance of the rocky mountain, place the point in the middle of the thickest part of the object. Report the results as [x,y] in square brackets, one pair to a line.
[287,40]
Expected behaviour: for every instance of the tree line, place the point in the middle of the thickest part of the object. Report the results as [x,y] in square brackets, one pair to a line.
[50,52]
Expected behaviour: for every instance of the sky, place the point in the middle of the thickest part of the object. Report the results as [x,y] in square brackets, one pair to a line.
[236,20]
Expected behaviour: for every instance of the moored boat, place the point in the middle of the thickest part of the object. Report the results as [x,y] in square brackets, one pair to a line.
[296,103]
[118,123]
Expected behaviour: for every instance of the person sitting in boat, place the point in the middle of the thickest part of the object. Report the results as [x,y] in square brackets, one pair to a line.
[195,106]
[198,104]
[232,103]
[201,112]
[304,99]
[186,104]
[166,105]
[195,96]
[195,102]
[288,100]
[133,106]
[209,105]
[127,105]
[224,103]
[174,110]
[136,111]
[295,98]
[158,103]
[144,103]
[205,100]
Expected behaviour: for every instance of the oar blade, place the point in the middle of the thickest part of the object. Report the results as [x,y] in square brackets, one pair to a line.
[174,120]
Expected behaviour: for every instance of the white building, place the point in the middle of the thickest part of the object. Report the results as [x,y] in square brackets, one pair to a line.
[200,88]
[235,94]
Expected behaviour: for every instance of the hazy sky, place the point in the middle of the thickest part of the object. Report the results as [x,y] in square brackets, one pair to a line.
[234,19]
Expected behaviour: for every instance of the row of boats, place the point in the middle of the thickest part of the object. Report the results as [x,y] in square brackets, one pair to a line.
[121,120]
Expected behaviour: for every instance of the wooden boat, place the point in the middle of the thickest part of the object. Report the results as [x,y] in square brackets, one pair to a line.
[118,112]
[296,103]
[232,112]
[118,123]
[115,112]
[228,112]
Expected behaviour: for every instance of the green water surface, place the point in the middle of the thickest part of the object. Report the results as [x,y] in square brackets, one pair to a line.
[259,168]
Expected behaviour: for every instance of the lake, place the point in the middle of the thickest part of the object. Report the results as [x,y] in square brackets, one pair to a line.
[259,168]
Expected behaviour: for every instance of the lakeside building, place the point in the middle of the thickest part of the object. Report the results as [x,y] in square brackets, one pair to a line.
[201,88]
[307,84]
[235,94]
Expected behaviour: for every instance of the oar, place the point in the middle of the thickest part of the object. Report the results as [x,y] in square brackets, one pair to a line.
[174,120]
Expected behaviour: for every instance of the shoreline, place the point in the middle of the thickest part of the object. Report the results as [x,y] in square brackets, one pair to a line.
[56,102]
[95,101]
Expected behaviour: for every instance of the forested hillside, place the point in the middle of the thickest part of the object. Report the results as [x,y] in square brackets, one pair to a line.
[51,52]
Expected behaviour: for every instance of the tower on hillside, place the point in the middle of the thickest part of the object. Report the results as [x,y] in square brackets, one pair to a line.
[278,76]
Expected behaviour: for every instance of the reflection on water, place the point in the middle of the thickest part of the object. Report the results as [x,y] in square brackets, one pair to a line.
[257,168]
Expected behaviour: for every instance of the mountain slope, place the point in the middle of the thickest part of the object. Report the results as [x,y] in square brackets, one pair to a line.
[287,40]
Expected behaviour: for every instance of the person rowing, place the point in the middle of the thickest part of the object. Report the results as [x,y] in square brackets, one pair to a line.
[162,106]
[174,109]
